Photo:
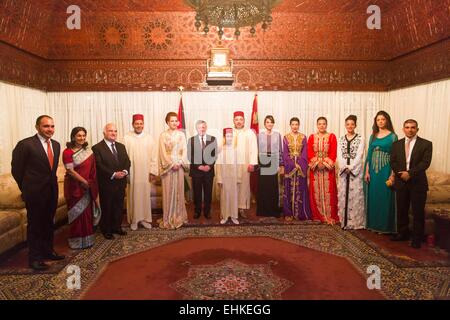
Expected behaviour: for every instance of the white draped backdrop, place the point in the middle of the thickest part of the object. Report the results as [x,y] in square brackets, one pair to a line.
[19,107]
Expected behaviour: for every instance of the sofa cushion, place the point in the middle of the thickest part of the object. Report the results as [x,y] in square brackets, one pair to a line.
[438,178]
[438,194]
[60,173]
[9,220]
[61,199]
[10,195]
[10,239]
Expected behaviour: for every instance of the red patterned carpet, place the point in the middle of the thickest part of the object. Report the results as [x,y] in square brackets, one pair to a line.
[261,259]
[191,268]
[18,256]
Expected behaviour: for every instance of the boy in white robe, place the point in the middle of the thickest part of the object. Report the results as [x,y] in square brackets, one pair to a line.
[228,175]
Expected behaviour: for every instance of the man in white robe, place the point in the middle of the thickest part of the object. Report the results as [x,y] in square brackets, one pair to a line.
[142,152]
[247,151]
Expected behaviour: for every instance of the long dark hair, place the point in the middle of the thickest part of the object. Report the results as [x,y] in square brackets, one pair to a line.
[389,125]
[72,142]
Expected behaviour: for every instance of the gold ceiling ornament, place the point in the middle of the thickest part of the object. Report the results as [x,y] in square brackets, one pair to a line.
[232,14]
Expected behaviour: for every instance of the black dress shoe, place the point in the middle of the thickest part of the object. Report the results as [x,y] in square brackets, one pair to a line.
[208,216]
[38,266]
[54,256]
[196,215]
[399,237]
[108,236]
[120,232]
[416,244]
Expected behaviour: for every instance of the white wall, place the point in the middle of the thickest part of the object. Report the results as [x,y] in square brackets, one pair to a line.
[19,107]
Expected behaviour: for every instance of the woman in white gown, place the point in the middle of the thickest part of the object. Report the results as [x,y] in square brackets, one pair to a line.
[228,175]
[172,165]
[350,188]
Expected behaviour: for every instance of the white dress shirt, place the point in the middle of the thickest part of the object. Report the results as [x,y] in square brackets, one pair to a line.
[109,144]
[411,147]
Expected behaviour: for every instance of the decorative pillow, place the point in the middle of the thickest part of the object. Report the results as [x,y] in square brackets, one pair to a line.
[10,195]
[438,194]
[438,178]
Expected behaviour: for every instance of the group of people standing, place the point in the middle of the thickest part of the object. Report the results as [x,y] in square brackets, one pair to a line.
[96,179]
[375,194]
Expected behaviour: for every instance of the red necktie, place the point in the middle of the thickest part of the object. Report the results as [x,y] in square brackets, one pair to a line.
[49,154]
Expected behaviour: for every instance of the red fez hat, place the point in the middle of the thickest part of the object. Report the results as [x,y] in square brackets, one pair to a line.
[238,113]
[226,130]
[137,117]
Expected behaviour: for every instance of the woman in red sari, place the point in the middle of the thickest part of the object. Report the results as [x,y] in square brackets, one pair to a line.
[80,190]
[322,151]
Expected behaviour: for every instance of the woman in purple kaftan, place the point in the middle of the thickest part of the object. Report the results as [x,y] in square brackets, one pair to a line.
[295,160]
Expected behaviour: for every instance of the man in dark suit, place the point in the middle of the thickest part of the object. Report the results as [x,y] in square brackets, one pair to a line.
[113,166]
[33,166]
[410,158]
[202,154]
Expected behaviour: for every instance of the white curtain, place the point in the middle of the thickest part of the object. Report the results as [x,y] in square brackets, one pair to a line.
[19,107]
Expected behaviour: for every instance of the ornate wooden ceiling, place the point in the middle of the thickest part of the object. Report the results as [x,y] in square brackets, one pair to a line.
[153,45]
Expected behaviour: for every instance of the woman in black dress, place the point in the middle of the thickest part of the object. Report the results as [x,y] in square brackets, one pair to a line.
[270,160]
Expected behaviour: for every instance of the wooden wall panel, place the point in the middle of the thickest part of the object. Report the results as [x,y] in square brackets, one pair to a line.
[21,68]
[153,45]
[249,75]
[172,35]
[25,24]
[425,65]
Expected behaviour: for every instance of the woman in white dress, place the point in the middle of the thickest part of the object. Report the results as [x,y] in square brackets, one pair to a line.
[172,165]
[228,175]
[350,189]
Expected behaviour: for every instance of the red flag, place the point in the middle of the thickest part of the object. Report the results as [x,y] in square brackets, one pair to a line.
[182,127]
[254,125]
[182,122]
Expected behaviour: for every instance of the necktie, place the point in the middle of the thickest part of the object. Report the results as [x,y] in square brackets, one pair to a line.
[203,147]
[269,144]
[114,151]
[203,142]
[49,154]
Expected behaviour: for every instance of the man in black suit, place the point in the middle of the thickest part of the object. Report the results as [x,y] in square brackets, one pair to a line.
[33,166]
[113,166]
[410,158]
[202,154]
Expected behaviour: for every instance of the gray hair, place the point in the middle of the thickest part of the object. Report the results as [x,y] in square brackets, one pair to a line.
[199,122]
[109,125]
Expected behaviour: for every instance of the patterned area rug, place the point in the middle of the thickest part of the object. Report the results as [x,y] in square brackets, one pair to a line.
[413,281]
[401,261]
[231,280]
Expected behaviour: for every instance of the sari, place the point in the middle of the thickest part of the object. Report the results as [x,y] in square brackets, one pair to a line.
[83,213]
